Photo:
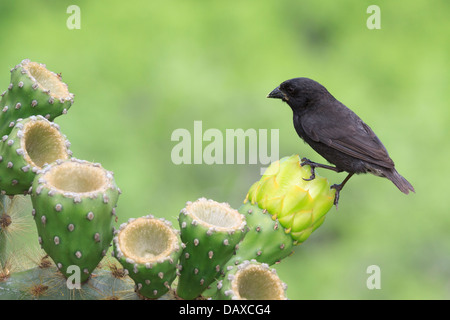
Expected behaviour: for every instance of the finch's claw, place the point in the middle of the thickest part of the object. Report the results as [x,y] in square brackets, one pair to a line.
[338,188]
[307,162]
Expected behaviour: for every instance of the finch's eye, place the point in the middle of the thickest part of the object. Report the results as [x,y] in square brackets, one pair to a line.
[289,89]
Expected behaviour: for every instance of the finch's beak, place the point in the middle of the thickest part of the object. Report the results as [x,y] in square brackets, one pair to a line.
[277,94]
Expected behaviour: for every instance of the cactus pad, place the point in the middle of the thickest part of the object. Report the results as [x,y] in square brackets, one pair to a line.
[34,90]
[267,241]
[251,280]
[74,207]
[33,142]
[149,249]
[211,232]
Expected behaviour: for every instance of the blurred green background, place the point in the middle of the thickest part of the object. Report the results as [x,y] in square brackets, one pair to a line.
[142,69]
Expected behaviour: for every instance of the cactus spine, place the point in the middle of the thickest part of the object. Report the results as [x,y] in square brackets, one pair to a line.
[33,142]
[74,207]
[15,222]
[251,280]
[211,232]
[149,250]
[33,90]
[44,282]
[5,222]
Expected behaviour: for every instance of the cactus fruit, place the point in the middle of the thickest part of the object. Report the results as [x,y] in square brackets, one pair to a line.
[299,205]
[251,280]
[74,207]
[33,142]
[282,210]
[149,250]
[34,90]
[211,231]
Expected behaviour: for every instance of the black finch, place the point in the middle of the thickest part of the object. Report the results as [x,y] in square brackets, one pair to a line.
[336,133]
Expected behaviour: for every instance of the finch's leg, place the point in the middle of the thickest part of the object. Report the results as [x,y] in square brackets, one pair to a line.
[314,165]
[338,188]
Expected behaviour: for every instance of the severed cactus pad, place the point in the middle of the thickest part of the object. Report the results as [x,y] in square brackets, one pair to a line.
[33,90]
[211,231]
[74,208]
[45,79]
[149,249]
[251,280]
[32,143]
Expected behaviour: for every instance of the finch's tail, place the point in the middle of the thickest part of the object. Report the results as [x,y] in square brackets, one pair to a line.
[401,183]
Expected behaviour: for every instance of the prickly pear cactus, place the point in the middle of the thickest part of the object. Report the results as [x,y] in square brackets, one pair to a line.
[74,208]
[266,241]
[33,90]
[282,210]
[149,250]
[74,205]
[211,232]
[33,142]
[251,280]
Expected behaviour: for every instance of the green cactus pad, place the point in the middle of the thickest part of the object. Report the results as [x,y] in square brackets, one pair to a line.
[32,143]
[34,90]
[251,280]
[211,232]
[149,249]
[74,207]
[266,241]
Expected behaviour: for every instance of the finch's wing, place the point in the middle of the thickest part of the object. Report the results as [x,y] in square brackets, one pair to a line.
[343,130]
